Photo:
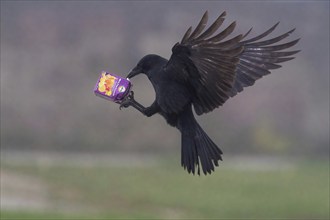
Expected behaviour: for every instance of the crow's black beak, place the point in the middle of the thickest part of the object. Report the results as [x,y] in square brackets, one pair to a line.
[135,71]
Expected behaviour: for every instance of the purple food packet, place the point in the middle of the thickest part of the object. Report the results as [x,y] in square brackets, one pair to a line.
[112,87]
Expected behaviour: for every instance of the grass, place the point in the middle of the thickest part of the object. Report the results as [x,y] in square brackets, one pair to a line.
[165,191]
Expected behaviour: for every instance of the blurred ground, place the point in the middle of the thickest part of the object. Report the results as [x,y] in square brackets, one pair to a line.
[148,186]
[19,191]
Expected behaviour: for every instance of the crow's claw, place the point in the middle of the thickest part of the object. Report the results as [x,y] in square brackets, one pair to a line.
[124,104]
[131,95]
[127,101]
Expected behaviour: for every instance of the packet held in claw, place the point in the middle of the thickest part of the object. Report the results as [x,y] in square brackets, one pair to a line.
[112,87]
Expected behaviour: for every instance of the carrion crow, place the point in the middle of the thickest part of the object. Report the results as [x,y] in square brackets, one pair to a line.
[205,69]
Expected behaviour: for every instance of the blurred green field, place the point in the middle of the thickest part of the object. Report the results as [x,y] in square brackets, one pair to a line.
[165,191]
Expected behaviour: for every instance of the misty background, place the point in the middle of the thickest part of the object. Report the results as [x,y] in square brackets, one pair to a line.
[68,154]
[52,53]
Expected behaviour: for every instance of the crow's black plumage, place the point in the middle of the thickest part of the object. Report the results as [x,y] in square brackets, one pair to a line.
[204,70]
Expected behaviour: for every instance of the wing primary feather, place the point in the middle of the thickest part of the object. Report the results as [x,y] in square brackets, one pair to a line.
[273,40]
[247,71]
[267,65]
[213,28]
[200,27]
[255,68]
[247,33]
[246,80]
[220,64]
[261,35]
[230,42]
[266,59]
[269,54]
[223,52]
[186,35]
[272,48]
[223,34]
[220,57]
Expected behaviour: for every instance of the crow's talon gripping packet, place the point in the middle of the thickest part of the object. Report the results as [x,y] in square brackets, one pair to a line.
[112,87]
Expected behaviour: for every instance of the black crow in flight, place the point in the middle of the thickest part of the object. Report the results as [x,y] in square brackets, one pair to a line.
[204,70]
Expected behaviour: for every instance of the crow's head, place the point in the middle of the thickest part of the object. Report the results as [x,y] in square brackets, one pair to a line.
[146,64]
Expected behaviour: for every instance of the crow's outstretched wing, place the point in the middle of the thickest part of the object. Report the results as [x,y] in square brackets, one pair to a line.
[207,63]
[259,56]
[217,69]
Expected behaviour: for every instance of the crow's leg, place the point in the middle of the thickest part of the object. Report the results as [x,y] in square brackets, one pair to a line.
[130,101]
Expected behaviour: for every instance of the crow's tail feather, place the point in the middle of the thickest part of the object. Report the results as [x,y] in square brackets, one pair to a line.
[197,148]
